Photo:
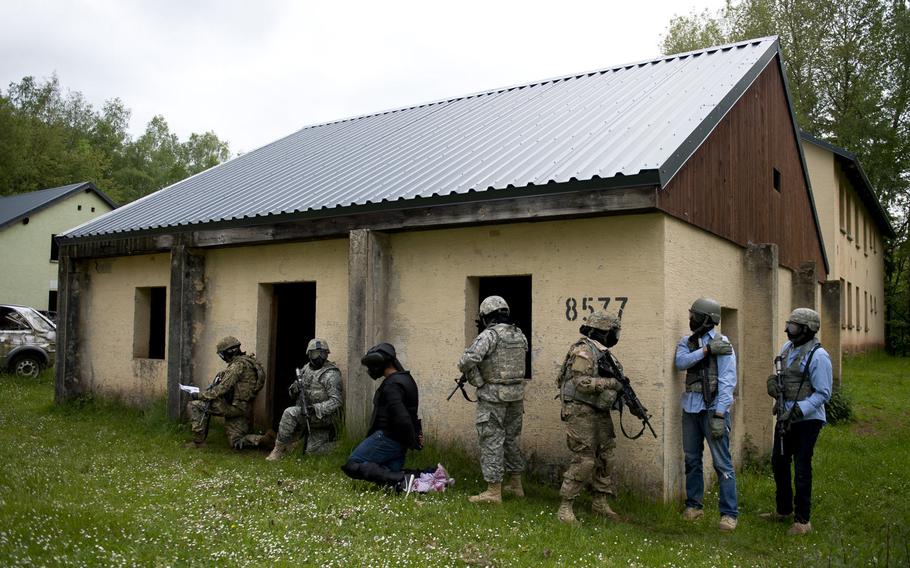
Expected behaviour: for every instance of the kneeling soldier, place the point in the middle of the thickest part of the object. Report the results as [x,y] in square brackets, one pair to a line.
[319,402]
[588,392]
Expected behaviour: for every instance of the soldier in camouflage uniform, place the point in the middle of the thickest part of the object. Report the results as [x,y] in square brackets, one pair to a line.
[319,384]
[587,392]
[231,398]
[495,364]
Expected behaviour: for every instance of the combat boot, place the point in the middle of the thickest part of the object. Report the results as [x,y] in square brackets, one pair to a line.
[600,507]
[513,486]
[493,494]
[277,452]
[197,442]
[565,513]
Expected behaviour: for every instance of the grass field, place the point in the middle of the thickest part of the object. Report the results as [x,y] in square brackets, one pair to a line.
[97,484]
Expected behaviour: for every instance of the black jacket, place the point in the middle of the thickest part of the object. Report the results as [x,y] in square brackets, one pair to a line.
[395,409]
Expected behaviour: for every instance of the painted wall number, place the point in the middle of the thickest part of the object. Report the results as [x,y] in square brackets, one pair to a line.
[590,303]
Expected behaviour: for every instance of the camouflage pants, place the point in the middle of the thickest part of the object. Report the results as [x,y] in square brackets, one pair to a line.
[322,436]
[499,435]
[591,439]
[236,424]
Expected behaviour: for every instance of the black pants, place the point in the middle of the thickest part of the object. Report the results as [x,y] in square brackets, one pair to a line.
[799,444]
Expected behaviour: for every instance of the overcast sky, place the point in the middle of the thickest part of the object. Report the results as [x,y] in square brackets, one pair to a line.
[254,71]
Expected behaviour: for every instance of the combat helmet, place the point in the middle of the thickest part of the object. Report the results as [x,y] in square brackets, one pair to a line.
[317,343]
[491,304]
[603,321]
[707,307]
[806,317]
[227,343]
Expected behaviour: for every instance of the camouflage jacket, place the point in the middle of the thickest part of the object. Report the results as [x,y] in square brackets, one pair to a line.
[322,389]
[238,383]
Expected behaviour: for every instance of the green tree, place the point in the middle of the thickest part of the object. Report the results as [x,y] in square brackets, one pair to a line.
[848,68]
[50,138]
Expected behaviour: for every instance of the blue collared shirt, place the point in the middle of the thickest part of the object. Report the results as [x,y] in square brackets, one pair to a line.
[820,376]
[694,402]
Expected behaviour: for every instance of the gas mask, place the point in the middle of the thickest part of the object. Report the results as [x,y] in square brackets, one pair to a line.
[228,354]
[318,357]
[697,322]
[608,338]
[798,334]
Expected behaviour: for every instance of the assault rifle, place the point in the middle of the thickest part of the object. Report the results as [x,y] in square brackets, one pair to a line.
[459,384]
[206,409]
[304,407]
[606,365]
[781,426]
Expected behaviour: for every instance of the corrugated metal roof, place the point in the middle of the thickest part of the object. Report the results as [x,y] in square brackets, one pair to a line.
[645,117]
[19,206]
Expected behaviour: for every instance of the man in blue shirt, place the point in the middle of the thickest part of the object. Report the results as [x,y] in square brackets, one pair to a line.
[802,388]
[710,365]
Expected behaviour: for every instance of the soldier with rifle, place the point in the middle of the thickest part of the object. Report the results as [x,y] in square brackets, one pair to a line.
[708,359]
[590,382]
[801,387]
[318,407]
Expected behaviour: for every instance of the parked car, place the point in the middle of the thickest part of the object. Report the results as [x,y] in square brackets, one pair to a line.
[28,341]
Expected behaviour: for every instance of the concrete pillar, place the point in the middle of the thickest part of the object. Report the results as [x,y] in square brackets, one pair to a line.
[805,283]
[186,309]
[369,267]
[72,281]
[760,343]
[829,334]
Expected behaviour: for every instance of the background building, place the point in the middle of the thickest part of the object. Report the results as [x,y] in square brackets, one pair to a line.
[854,226]
[636,188]
[28,224]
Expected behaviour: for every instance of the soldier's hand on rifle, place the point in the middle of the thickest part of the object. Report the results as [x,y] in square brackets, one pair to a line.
[717,425]
[773,387]
[194,395]
[294,389]
[720,346]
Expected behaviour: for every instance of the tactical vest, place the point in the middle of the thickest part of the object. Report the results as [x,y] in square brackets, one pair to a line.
[313,388]
[505,364]
[797,385]
[695,373]
[567,387]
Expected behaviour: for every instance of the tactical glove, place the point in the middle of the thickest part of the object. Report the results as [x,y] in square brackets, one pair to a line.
[717,425]
[194,395]
[294,389]
[773,387]
[720,346]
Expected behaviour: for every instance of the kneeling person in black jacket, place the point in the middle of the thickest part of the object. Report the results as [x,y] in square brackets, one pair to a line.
[394,427]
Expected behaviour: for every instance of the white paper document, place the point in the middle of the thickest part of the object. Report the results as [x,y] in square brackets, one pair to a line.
[189,388]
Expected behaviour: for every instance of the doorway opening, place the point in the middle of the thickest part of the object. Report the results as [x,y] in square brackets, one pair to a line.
[516,291]
[293,326]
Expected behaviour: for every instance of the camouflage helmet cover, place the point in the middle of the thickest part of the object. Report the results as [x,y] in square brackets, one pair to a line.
[806,317]
[707,306]
[317,343]
[227,343]
[491,304]
[603,321]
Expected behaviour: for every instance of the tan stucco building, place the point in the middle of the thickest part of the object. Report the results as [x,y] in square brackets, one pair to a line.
[28,224]
[855,226]
[607,189]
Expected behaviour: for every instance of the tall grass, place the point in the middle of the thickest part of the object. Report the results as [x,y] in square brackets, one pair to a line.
[101,485]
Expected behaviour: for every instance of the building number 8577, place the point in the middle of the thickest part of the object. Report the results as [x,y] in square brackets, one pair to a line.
[590,303]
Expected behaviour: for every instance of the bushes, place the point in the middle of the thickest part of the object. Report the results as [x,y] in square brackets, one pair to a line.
[839,409]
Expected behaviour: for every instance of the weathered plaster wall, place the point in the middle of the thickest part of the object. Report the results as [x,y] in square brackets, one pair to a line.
[238,299]
[106,333]
[606,257]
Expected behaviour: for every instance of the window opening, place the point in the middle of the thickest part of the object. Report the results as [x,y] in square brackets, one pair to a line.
[516,291]
[150,323]
[776,178]
[55,250]
[849,305]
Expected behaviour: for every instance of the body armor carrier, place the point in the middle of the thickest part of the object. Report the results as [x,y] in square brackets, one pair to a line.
[568,391]
[796,383]
[313,389]
[505,364]
[250,384]
[705,369]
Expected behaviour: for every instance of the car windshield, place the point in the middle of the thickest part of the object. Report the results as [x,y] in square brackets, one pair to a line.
[38,321]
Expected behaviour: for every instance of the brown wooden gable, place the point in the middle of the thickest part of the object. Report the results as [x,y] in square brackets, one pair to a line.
[726,187]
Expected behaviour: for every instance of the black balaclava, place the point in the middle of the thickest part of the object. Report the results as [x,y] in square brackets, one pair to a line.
[798,333]
[317,357]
